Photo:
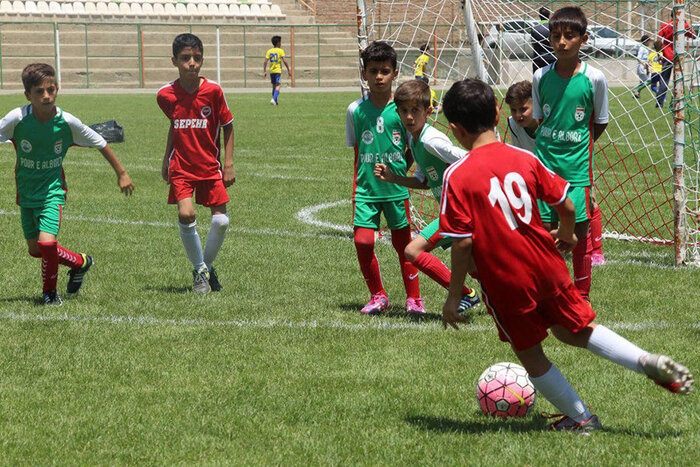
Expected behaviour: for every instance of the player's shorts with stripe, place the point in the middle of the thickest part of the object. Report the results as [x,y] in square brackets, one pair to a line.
[208,192]
[368,214]
[45,219]
[527,326]
[275,78]
[432,234]
[580,195]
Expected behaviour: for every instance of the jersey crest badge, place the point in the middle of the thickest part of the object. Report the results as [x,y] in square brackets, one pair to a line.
[58,147]
[396,137]
[546,110]
[206,111]
[579,114]
[26,146]
[367,137]
[432,174]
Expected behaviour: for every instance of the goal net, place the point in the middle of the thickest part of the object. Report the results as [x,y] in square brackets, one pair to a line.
[646,163]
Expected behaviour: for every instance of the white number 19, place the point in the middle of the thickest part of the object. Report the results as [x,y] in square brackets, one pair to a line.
[509,200]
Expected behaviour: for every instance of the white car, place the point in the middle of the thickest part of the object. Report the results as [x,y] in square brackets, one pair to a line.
[608,42]
[513,36]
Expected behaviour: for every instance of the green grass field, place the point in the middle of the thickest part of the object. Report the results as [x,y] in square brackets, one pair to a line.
[280,368]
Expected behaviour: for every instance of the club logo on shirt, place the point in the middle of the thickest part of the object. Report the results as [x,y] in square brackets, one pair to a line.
[206,111]
[547,110]
[58,147]
[25,145]
[396,137]
[367,137]
[579,114]
[432,174]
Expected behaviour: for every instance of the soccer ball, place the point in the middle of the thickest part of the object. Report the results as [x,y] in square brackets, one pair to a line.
[504,390]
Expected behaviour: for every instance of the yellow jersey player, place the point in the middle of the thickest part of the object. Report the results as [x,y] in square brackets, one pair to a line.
[421,63]
[275,56]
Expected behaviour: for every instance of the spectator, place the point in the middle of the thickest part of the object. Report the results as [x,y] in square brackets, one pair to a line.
[666,36]
[542,52]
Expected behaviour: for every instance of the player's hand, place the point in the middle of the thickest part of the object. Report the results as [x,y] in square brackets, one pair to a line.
[564,244]
[382,172]
[125,184]
[164,173]
[229,176]
[450,315]
[264,74]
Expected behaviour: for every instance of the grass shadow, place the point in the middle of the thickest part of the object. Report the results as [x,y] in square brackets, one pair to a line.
[35,300]
[168,289]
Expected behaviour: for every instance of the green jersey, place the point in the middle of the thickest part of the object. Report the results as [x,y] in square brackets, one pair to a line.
[378,137]
[40,149]
[433,153]
[568,109]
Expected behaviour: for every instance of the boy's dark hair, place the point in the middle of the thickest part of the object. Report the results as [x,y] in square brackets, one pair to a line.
[544,13]
[569,17]
[186,40]
[276,40]
[519,93]
[644,38]
[472,104]
[424,47]
[378,51]
[415,90]
[35,73]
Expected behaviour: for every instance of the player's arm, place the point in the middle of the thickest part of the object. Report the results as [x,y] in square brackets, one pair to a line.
[123,179]
[165,168]
[462,263]
[600,106]
[598,130]
[265,67]
[383,173]
[284,60]
[566,239]
[229,174]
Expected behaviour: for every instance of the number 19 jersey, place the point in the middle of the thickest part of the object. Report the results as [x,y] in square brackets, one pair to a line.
[378,137]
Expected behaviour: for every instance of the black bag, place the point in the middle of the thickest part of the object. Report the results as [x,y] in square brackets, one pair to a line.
[111,131]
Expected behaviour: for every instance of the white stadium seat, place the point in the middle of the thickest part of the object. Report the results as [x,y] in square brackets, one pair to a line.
[169,8]
[54,8]
[91,9]
[159,10]
[124,9]
[42,8]
[113,8]
[67,8]
[5,6]
[234,10]
[147,9]
[136,9]
[276,11]
[244,10]
[203,9]
[180,9]
[17,6]
[265,10]
[224,10]
[191,9]
[30,7]
[214,9]
[79,8]
[255,11]
[102,8]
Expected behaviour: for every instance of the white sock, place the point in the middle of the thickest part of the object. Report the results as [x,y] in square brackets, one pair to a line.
[611,346]
[557,390]
[217,233]
[192,243]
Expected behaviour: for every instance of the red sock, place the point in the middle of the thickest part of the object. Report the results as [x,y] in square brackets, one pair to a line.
[432,267]
[400,239]
[597,231]
[369,264]
[68,258]
[49,264]
[582,265]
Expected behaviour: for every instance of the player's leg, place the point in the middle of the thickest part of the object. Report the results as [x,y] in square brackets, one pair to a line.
[276,93]
[597,257]
[398,220]
[41,226]
[663,84]
[366,223]
[581,256]
[217,233]
[187,222]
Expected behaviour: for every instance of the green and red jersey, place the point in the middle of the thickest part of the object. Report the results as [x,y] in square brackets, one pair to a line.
[41,148]
[378,137]
[433,153]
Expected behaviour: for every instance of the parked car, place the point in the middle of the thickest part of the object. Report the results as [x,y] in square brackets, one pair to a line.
[513,36]
[606,41]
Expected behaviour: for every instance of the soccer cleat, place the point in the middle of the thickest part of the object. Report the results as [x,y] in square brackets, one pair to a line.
[566,423]
[379,302]
[273,102]
[201,281]
[52,298]
[667,373]
[469,301]
[78,274]
[415,306]
[598,259]
[214,280]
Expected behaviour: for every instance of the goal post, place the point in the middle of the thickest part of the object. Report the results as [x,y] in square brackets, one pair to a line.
[647,168]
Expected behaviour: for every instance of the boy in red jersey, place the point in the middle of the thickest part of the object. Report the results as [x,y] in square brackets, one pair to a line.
[489,209]
[197,110]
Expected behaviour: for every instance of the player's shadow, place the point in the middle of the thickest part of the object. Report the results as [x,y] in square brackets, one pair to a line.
[168,289]
[530,424]
[394,312]
[26,299]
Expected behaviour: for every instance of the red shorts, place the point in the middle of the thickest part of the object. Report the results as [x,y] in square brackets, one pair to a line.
[525,329]
[209,192]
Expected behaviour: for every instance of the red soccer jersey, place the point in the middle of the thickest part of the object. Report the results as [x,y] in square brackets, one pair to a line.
[196,120]
[666,35]
[490,196]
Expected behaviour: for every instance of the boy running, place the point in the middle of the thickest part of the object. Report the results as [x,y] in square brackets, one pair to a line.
[374,129]
[197,110]
[489,210]
[276,57]
[42,133]
[570,98]
[421,64]
[433,152]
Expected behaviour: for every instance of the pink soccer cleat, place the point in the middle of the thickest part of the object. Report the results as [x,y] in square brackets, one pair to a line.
[415,306]
[598,259]
[378,303]
[668,374]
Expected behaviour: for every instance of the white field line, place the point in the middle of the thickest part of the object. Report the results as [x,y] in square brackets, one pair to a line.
[287,177]
[371,324]
[308,216]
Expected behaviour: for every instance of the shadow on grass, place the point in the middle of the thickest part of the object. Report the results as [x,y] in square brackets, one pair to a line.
[35,300]
[530,424]
[167,289]
[394,312]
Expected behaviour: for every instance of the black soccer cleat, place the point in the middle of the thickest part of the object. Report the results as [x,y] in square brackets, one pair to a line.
[78,275]
[52,298]
[214,280]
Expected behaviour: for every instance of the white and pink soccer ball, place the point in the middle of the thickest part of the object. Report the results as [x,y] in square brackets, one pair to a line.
[504,390]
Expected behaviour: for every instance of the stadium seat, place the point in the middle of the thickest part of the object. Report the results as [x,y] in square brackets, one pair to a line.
[30,7]
[79,8]
[203,9]
[113,8]
[17,7]
[265,10]
[91,9]
[276,11]
[180,9]
[214,9]
[5,7]
[244,10]
[191,9]
[169,8]
[255,11]
[54,8]
[42,8]
[233,10]
[67,8]
[224,10]
[124,9]
[147,9]
[102,8]
[136,9]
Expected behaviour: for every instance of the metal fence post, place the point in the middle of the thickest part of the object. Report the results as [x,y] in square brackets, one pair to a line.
[318,54]
[87,59]
[2,82]
[291,31]
[140,40]
[218,56]
[245,60]
[57,52]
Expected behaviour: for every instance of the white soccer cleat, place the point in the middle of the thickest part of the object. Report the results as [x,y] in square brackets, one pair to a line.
[272,102]
[667,373]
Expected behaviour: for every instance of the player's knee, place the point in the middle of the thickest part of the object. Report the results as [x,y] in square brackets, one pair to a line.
[34,251]
[363,241]
[219,221]
[411,251]
[186,217]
